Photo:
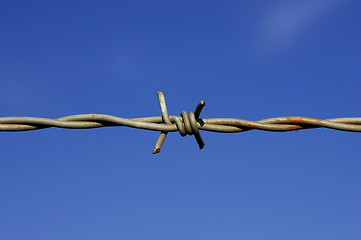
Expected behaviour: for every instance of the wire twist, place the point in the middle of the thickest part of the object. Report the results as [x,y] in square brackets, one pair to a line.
[188,123]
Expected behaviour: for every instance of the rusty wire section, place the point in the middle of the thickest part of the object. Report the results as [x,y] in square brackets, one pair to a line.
[189,123]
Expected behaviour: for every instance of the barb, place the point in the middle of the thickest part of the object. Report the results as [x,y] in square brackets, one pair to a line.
[188,123]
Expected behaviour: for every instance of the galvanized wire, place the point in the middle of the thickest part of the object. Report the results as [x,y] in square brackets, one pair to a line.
[189,123]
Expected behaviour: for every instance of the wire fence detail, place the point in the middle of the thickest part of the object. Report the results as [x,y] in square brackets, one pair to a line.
[188,123]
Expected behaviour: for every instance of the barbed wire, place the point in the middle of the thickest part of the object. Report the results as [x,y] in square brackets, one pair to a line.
[188,123]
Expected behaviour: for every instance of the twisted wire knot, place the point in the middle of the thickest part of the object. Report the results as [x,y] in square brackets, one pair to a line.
[187,124]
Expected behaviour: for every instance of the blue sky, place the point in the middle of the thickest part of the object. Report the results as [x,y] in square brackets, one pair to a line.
[247,59]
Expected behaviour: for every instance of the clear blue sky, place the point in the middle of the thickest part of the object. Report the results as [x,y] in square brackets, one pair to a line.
[247,59]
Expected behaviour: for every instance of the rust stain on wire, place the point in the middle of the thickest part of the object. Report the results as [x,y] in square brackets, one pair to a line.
[188,123]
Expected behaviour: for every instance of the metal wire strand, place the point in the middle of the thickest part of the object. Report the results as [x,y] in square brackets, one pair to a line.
[188,123]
